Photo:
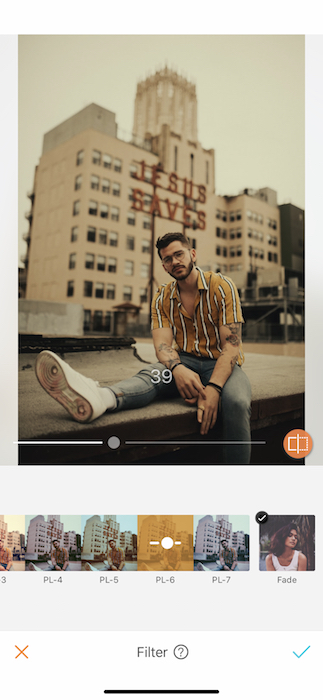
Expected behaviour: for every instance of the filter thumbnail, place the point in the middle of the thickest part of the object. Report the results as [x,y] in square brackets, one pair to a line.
[221,543]
[12,543]
[109,543]
[287,543]
[165,543]
[53,543]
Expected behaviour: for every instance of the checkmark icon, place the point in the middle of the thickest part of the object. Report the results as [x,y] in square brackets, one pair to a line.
[261,519]
[299,655]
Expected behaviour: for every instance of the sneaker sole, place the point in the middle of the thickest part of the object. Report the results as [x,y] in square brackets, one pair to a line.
[52,378]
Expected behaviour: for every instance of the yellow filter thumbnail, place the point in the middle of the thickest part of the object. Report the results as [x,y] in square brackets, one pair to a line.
[165,543]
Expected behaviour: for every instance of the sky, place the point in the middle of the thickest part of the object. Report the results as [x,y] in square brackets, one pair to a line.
[250,93]
[15,522]
[126,522]
[238,522]
[70,522]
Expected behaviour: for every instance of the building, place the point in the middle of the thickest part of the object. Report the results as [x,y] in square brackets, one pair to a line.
[98,204]
[292,243]
[41,534]
[70,541]
[209,534]
[238,541]
[97,533]
[13,542]
[3,530]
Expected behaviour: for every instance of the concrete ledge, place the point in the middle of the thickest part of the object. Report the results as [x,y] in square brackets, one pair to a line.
[277,389]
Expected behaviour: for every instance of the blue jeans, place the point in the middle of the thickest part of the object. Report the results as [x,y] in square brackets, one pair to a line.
[221,568]
[138,391]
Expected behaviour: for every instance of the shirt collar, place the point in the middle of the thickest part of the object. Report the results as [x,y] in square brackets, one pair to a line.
[201,284]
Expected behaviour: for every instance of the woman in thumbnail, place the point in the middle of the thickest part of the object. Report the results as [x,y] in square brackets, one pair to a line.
[283,553]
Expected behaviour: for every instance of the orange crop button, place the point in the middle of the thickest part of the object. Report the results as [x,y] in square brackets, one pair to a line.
[298,443]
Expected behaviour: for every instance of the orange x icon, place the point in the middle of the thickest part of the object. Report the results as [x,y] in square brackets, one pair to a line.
[21,651]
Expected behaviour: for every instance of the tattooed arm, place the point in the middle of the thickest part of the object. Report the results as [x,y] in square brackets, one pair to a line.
[188,382]
[230,337]
[163,338]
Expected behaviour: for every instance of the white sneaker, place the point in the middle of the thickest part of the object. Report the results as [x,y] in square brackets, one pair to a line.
[79,395]
[31,567]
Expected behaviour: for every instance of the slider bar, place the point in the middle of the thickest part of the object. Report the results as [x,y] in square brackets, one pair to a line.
[195,442]
[160,692]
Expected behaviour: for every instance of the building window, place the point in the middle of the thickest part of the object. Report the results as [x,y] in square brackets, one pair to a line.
[100,262]
[113,239]
[117,165]
[232,233]
[175,158]
[78,182]
[218,250]
[79,157]
[232,268]
[88,287]
[95,182]
[146,222]
[274,240]
[108,322]
[74,234]
[133,171]
[145,245]
[232,252]
[93,207]
[115,213]
[104,211]
[76,207]
[232,216]
[218,232]
[147,200]
[249,214]
[111,291]
[105,185]
[116,189]
[87,320]
[261,254]
[144,270]
[130,194]
[224,233]
[224,252]
[91,233]
[218,214]
[238,233]
[89,261]
[143,295]
[249,233]
[70,288]
[148,175]
[239,251]
[99,290]
[112,264]
[128,267]
[97,320]
[96,157]
[131,218]
[127,293]
[107,161]
[103,236]
[72,261]
[130,243]
[238,215]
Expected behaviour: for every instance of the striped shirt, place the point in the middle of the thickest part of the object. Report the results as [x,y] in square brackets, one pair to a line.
[217,304]
[228,556]
[5,556]
[60,556]
[115,557]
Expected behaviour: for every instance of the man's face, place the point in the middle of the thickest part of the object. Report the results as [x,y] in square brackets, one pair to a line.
[224,544]
[112,544]
[56,544]
[178,260]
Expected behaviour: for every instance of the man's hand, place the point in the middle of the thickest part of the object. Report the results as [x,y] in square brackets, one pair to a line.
[207,409]
[188,384]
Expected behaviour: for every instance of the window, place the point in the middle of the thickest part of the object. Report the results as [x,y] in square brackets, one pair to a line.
[104,211]
[145,245]
[87,320]
[218,214]
[128,267]
[146,222]
[100,262]
[232,233]
[115,213]
[148,175]
[143,294]
[249,233]
[249,214]
[239,250]
[133,171]
[70,289]
[218,250]
[238,214]
[131,218]
[275,257]
[117,165]
[97,320]
[74,233]
[255,252]
[238,233]
[107,161]
[270,256]
[93,207]
[91,233]
[224,233]
[108,321]
[88,287]
[116,189]
[112,264]
[78,182]
[79,157]
[232,216]
[274,240]
[218,232]
[274,225]
[144,270]
[250,251]
[111,291]
[95,181]
[72,261]
[127,293]
[130,194]
[103,236]
[76,208]
[260,235]
[96,157]
[147,200]
[99,290]
[232,268]
[113,239]
[89,261]
[224,252]
[232,252]
[105,185]
[261,254]
[130,243]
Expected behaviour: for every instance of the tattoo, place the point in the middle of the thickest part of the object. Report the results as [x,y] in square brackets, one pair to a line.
[163,347]
[170,363]
[173,355]
[234,360]
[235,334]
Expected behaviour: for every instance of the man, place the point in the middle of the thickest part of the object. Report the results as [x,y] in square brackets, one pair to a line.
[115,559]
[228,560]
[196,328]
[5,558]
[59,560]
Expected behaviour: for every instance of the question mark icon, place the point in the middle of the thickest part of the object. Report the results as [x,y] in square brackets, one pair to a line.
[181,651]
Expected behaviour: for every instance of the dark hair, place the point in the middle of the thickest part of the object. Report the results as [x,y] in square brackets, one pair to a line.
[110,541]
[277,543]
[223,541]
[55,541]
[168,238]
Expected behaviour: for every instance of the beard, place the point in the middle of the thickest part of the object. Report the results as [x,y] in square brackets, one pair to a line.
[183,273]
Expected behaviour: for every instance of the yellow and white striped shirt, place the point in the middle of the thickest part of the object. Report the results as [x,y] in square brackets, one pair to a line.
[217,304]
